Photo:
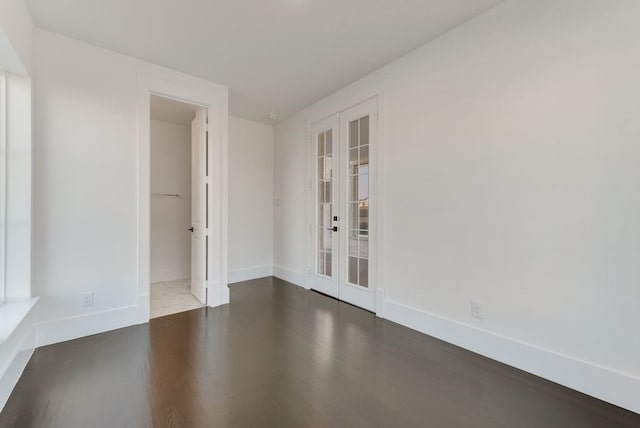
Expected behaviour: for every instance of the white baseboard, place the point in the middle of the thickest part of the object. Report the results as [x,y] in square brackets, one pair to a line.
[253,272]
[144,308]
[160,275]
[289,275]
[621,389]
[14,355]
[61,330]
[217,294]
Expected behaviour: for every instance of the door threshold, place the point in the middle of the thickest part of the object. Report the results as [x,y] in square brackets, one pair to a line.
[341,301]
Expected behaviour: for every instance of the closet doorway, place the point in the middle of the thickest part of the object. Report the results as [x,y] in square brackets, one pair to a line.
[179,181]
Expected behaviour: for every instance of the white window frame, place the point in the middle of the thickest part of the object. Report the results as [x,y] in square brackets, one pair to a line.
[3,182]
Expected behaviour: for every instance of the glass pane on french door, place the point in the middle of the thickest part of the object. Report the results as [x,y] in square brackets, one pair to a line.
[324,203]
[358,202]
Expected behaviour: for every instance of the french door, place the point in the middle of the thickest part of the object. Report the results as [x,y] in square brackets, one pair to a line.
[342,195]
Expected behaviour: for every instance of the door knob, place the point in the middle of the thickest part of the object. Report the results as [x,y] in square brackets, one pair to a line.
[334,228]
[190,229]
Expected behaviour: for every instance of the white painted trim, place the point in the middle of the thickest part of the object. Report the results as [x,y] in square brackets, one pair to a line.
[61,330]
[326,285]
[374,87]
[3,180]
[171,84]
[12,374]
[621,389]
[217,292]
[144,309]
[14,356]
[253,272]
[380,303]
[18,191]
[289,275]
[172,274]
[364,297]
[12,314]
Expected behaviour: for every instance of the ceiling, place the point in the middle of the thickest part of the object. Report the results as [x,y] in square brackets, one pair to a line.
[168,110]
[276,56]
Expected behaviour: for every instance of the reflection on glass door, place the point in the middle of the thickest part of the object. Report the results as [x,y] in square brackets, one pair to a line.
[358,202]
[358,137]
[324,203]
[325,190]
[341,185]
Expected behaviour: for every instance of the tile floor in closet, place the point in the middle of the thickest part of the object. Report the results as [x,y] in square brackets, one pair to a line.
[170,297]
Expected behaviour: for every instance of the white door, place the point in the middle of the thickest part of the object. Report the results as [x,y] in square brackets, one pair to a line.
[326,199]
[198,206]
[343,246]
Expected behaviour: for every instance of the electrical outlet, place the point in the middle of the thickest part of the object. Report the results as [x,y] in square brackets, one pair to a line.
[87,299]
[476,310]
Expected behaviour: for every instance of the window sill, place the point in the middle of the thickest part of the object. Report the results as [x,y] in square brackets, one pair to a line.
[11,315]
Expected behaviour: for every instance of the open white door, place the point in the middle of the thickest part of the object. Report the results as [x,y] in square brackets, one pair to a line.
[198,207]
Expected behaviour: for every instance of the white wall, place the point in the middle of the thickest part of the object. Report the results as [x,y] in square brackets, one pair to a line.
[250,199]
[16,30]
[289,192]
[17,26]
[84,177]
[170,217]
[85,194]
[511,162]
[86,160]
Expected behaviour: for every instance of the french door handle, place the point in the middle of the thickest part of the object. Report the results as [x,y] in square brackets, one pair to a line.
[334,228]
[190,229]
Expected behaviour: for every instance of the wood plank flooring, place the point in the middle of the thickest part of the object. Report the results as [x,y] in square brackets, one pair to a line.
[281,356]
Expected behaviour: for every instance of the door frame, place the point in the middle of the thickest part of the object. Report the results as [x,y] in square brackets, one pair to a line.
[199,236]
[336,104]
[214,98]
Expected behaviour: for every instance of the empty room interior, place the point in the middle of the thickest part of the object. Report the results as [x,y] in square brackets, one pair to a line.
[305,213]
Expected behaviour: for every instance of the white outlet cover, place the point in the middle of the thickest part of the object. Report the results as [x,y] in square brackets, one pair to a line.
[476,309]
[87,299]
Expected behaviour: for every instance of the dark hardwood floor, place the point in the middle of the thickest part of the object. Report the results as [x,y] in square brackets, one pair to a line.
[281,356]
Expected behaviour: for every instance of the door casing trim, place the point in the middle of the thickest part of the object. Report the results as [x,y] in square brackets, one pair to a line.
[214,98]
[335,104]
